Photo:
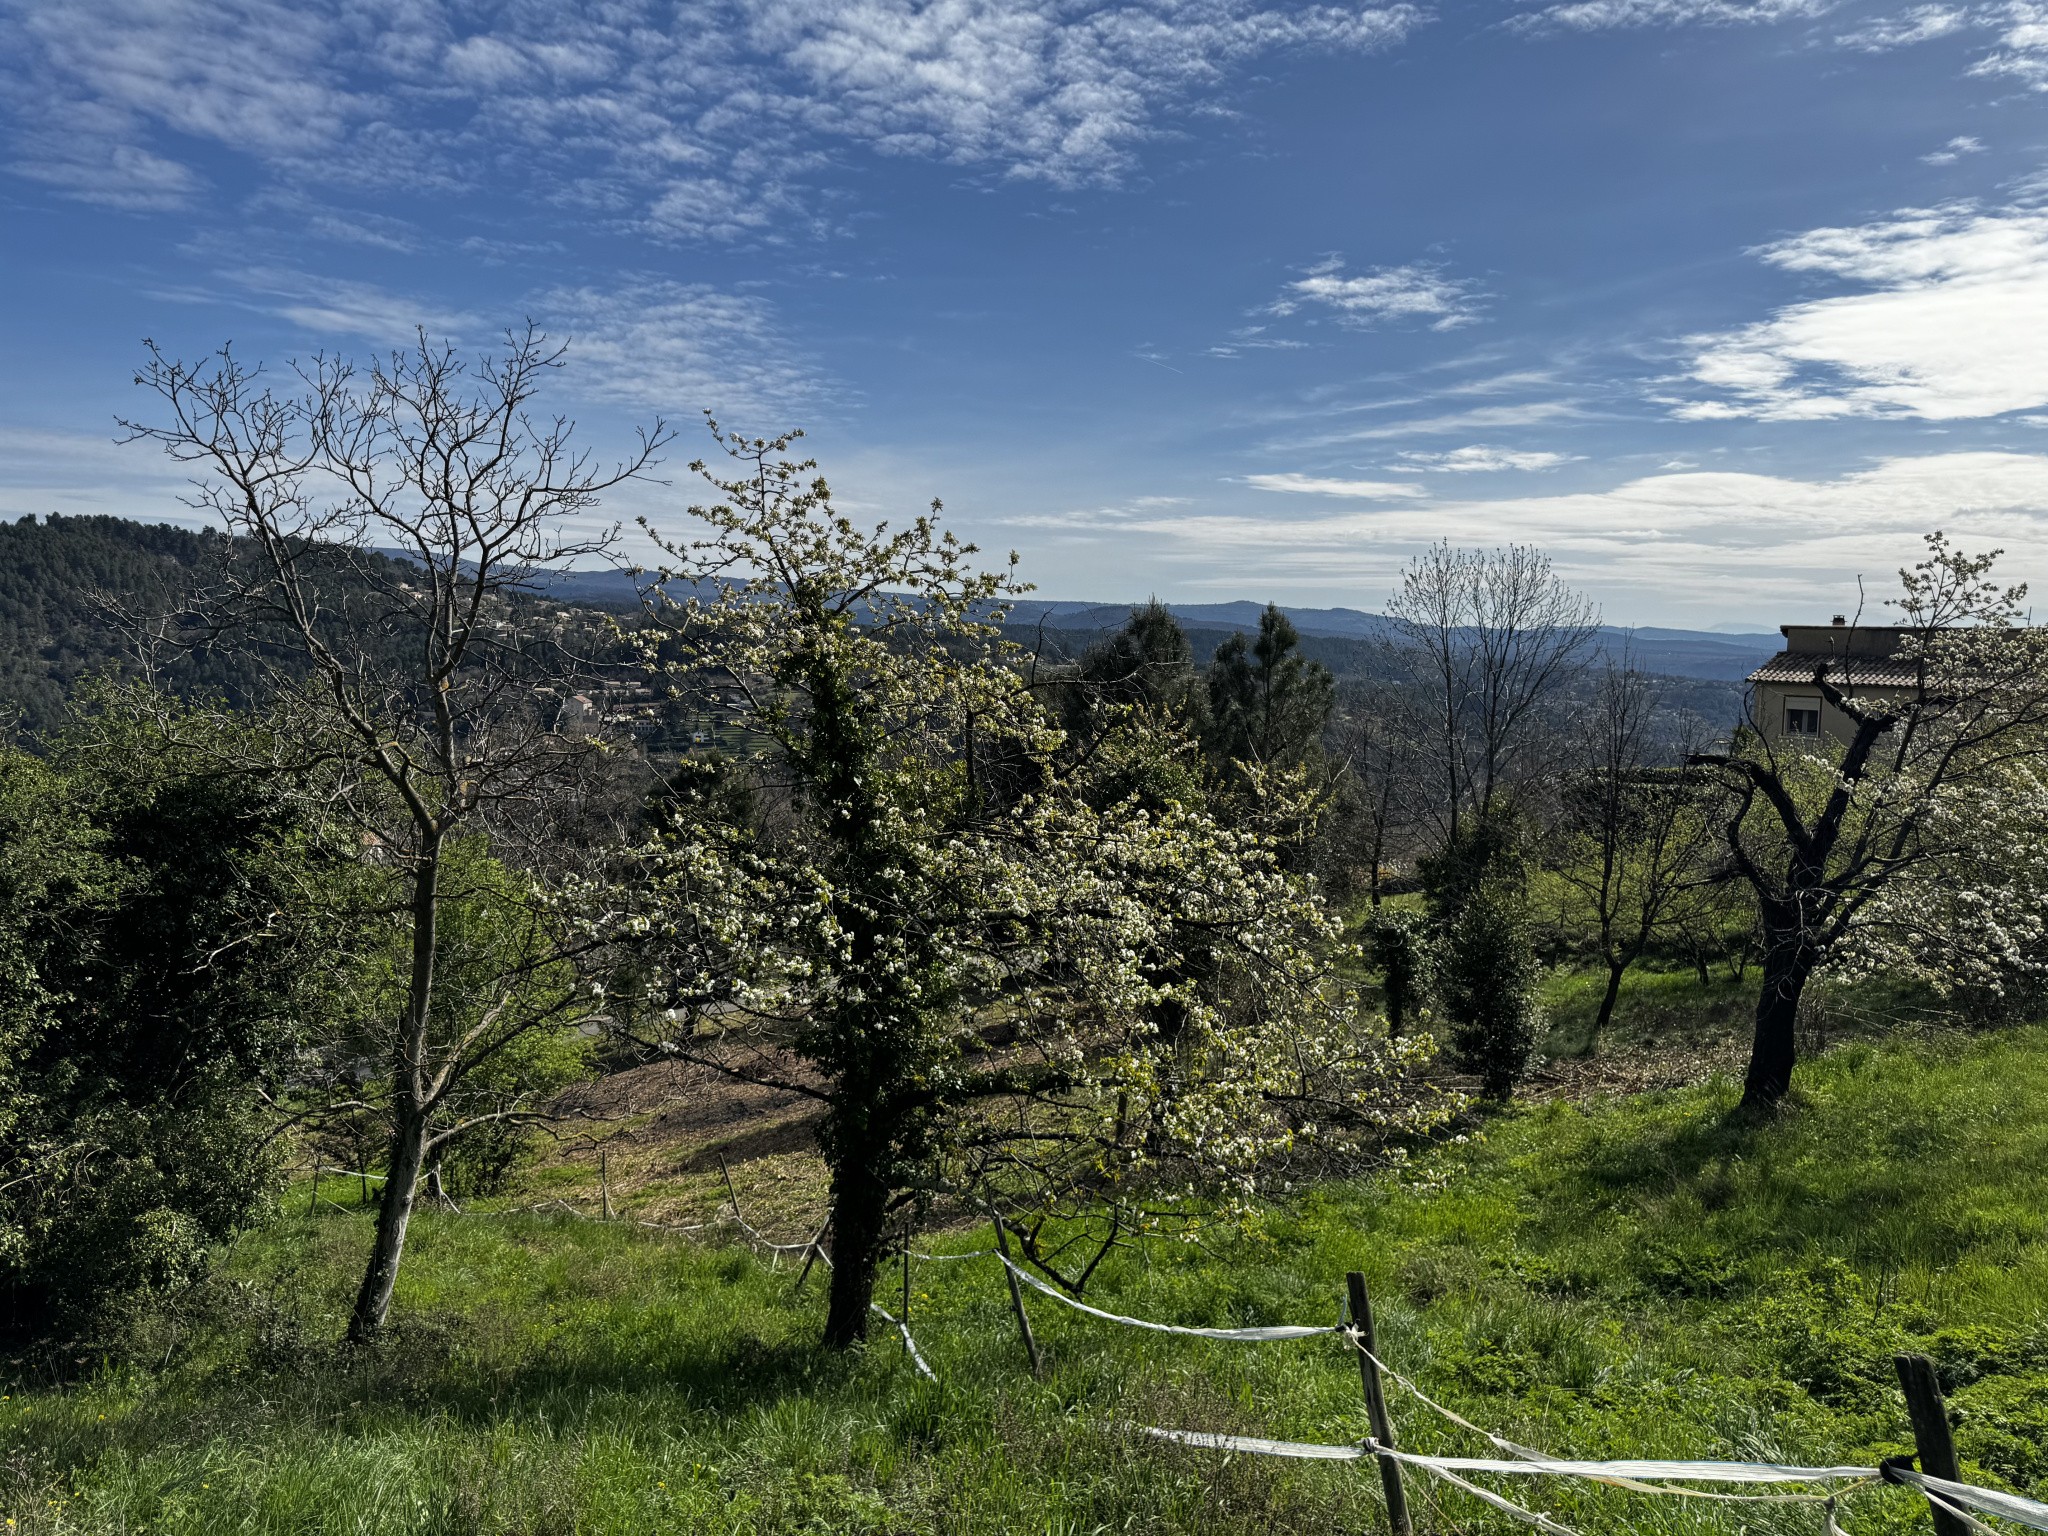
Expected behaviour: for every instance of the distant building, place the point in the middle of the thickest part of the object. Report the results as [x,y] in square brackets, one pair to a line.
[1859,660]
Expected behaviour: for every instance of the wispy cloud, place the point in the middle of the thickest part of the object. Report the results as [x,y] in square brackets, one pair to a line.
[1254,338]
[1418,291]
[1314,485]
[1950,328]
[698,121]
[1607,15]
[1146,511]
[96,81]
[330,306]
[684,347]
[1046,90]
[2022,50]
[1715,543]
[1916,24]
[649,343]
[1480,419]
[1476,458]
[80,473]
[1954,150]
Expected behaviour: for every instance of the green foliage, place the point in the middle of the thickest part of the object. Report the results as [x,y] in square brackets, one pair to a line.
[1267,703]
[942,865]
[500,984]
[1486,972]
[156,977]
[1146,664]
[57,636]
[1398,942]
[1487,977]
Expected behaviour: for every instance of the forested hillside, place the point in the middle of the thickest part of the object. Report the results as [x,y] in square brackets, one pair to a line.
[66,581]
[58,578]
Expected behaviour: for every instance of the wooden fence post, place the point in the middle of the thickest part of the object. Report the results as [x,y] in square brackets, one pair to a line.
[1932,1441]
[1016,1293]
[1376,1402]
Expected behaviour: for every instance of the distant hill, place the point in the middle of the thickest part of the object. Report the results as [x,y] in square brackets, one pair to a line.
[1668,652]
[61,580]
[54,628]
[1687,653]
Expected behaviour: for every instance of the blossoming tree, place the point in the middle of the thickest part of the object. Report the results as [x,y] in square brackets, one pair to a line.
[1913,841]
[974,965]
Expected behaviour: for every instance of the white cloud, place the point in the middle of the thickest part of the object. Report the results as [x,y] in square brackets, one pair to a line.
[1715,543]
[1311,485]
[1917,24]
[1477,457]
[703,119]
[683,347]
[330,306]
[1607,15]
[1042,89]
[1951,330]
[1253,338]
[81,474]
[1414,292]
[678,348]
[1954,150]
[2022,46]
[1480,419]
[95,80]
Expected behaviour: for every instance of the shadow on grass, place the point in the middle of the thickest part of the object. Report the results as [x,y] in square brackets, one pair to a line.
[424,1367]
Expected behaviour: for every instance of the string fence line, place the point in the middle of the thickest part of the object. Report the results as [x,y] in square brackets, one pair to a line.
[1242,1335]
[909,1343]
[2007,1506]
[1620,1472]
[1368,1450]
[1637,1475]
[1634,1475]
[762,1242]
[1629,1474]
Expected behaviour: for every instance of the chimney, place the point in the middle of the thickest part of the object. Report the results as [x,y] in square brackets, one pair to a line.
[1840,620]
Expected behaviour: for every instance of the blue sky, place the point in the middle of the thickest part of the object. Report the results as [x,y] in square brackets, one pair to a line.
[1723,302]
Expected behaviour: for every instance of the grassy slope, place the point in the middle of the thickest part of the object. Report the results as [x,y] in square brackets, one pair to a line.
[1633,1277]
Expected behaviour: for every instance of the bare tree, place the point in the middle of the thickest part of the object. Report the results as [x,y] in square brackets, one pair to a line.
[1489,638]
[1628,841]
[1373,746]
[1847,838]
[388,528]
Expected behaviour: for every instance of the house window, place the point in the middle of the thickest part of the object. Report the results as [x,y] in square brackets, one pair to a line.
[1802,717]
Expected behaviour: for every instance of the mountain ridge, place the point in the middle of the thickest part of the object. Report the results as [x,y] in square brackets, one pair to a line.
[1693,653]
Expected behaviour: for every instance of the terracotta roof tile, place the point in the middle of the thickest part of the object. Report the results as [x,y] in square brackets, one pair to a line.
[1852,671]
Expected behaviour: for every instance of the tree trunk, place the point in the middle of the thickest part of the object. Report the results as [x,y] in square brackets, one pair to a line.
[1607,998]
[394,1214]
[860,1203]
[410,1111]
[1775,1047]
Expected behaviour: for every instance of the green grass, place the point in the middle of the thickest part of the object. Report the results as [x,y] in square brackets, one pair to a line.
[1657,1008]
[1638,1276]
